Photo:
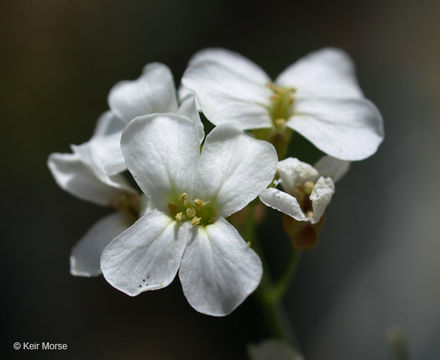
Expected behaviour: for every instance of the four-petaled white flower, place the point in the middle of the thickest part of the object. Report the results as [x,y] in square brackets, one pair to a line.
[193,191]
[317,96]
[308,189]
[153,92]
[79,174]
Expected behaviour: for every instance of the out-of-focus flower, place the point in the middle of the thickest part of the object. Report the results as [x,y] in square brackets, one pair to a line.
[272,349]
[192,191]
[317,96]
[153,92]
[79,174]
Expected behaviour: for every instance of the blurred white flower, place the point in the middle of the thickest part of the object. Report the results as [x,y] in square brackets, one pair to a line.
[273,349]
[79,174]
[192,191]
[317,96]
[152,92]
[307,189]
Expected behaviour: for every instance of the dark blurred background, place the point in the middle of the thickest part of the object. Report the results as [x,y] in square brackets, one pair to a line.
[377,264]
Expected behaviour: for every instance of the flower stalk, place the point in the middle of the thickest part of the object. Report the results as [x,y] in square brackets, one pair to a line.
[270,293]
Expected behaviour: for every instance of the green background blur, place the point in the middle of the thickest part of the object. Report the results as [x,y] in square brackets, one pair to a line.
[378,262]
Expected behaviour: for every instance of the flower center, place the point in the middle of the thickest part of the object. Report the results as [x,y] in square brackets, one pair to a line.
[281,107]
[196,211]
[302,193]
[127,203]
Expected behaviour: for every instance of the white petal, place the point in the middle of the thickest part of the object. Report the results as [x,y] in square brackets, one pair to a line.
[161,152]
[321,195]
[324,73]
[188,108]
[218,269]
[75,177]
[273,349]
[86,155]
[183,93]
[293,171]
[105,144]
[147,255]
[345,129]
[284,202]
[229,88]
[108,124]
[146,205]
[234,168]
[329,166]
[86,254]
[106,150]
[152,92]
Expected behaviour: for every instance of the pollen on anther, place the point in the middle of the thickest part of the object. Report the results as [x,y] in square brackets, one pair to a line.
[182,197]
[248,244]
[280,122]
[199,203]
[180,216]
[309,214]
[271,86]
[275,97]
[190,213]
[308,187]
[195,220]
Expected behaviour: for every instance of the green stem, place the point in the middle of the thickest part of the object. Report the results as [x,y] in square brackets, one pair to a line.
[281,286]
[268,294]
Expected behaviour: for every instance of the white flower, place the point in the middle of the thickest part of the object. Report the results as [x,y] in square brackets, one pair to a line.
[193,192]
[273,349]
[308,189]
[317,96]
[80,175]
[152,92]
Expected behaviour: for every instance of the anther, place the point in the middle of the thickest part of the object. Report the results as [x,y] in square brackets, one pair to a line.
[182,197]
[180,216]
[298,193]
[211,220]
[199,203]
[309,213]
[291,99]
[280,122]
[275,97]
[248,244]
[271,86]
[308,187]
[195,220]
[190,213]
[172,208]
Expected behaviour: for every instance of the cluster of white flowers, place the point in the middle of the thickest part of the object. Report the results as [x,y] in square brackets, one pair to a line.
[190,183]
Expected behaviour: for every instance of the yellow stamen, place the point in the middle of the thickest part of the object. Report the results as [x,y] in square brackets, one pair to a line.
[199,203]
[172,208]
[309,213]
[275,97]
[195,220]
[280,122]
[190,213]
[182,197]
[308,187]
[180,216]
[271,86]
